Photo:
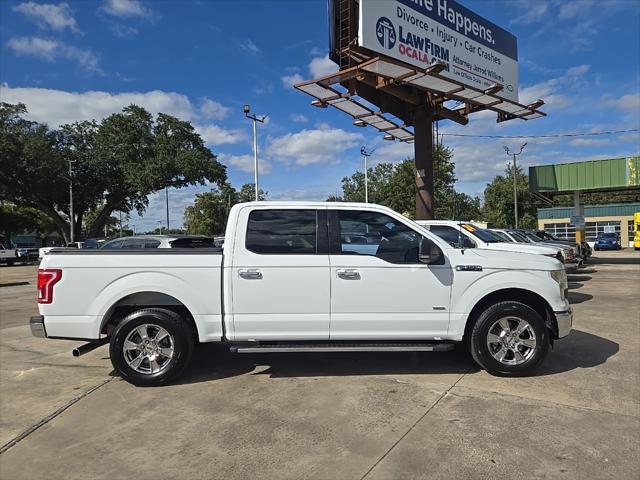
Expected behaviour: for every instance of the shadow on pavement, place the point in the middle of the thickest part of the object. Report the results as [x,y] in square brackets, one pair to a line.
[578,350]
[577,297]
[212,362]
[635,260]
[575,285]
[578,278]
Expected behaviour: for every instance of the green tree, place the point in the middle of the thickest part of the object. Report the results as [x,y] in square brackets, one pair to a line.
[498,208]
[115,164]
[208,215]
[393,185]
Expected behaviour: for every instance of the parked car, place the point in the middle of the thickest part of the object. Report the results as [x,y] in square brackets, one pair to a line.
[467,235]
[160,241]
[585,248]
[571,256]
[42,251]
[8,255]
[286,282]
[607,241]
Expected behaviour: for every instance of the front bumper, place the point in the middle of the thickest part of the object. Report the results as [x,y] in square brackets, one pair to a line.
[564,320]
[37,326]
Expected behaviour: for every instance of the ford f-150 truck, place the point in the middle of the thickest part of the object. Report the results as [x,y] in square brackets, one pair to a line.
[296,276]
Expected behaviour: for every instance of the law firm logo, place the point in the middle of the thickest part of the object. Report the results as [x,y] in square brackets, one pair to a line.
[386,33]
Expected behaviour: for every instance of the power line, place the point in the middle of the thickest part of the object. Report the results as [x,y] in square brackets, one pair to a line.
[557,135]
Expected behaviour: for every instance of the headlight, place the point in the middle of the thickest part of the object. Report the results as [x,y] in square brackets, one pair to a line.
[560,276]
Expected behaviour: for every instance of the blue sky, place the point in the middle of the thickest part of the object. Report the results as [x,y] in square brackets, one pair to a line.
[203,60]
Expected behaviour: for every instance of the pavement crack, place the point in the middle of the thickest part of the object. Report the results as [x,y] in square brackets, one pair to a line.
[11,443]
[444,394]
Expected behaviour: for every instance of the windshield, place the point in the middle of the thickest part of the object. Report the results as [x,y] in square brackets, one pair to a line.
[609,235]
[483,234]
[519,237]
[503,236]
[532,237]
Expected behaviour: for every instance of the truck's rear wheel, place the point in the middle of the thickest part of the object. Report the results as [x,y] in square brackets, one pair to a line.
[151,346]
[509,339]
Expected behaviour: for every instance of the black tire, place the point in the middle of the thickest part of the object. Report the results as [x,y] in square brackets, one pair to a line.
[10,263]
[181,339]
[480,331]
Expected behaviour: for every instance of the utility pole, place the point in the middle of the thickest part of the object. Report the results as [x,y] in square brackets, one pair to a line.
[121,223]
[72,236]
[365,155]
[247,109]
[515,190]
[166,194]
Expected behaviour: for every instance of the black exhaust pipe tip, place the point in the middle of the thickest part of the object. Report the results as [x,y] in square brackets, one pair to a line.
[87,347]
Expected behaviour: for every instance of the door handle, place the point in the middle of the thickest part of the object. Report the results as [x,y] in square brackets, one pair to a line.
[349,274]
[250,274]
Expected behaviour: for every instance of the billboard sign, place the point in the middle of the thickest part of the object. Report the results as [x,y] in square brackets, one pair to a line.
[475,51]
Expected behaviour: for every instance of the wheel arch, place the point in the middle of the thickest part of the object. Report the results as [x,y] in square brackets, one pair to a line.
[522,295]
[141,300]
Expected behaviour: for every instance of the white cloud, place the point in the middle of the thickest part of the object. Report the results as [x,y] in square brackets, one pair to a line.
[57,107]
[211,109]
[54,50]
[302,195]
[123,31]
[298,118]
[127,9]
[214,135]
[579,70]
[46,15]
[290,80]
[245,163]
[393,152]
[533,14]
[312,146]
[321,66]
[590,142]
[248,46]
[626,102]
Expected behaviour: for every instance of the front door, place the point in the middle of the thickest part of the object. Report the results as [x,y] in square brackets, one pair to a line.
[379,288]
[280,275]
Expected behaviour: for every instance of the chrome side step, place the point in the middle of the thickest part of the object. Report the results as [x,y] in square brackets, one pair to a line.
[343,347]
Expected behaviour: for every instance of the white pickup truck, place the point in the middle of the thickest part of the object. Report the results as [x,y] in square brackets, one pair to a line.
[304,276]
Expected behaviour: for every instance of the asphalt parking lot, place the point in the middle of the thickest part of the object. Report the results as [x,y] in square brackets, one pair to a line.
[352,416]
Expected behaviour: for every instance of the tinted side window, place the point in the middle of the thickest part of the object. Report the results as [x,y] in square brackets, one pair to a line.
[282,232]
[134,243]
[113,244]
[151,243]
[376,234]
[449,234]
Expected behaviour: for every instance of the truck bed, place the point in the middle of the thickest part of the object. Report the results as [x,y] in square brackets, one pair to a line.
[94,282]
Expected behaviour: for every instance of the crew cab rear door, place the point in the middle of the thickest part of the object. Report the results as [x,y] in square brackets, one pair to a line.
[280,274]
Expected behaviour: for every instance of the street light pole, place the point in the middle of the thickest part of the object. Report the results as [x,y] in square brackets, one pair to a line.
[72,236]
[515,191]
[166,195]
[247,109]
[365,156]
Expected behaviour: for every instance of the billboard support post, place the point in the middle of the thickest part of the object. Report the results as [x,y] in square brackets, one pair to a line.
[423,131]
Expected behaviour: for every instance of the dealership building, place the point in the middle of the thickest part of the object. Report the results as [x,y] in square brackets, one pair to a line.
[586,222]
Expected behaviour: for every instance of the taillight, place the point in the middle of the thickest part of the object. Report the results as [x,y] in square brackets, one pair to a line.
[47,278]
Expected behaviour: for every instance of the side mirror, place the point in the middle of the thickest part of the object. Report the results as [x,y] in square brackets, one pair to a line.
[430,253]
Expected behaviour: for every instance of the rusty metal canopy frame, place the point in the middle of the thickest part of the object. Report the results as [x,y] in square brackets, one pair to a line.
[412,85]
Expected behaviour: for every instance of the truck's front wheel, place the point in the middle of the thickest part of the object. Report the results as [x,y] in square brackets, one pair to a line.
[509,339]
[151,346]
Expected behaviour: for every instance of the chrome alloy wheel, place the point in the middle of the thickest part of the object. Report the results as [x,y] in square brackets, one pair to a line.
[511,340]
[148,349]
